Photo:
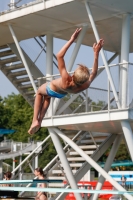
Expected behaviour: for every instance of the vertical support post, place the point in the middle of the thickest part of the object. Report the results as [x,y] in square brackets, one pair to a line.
[20,168]
[22,57]
[125,44]
[86,110]
[1,170]
[36,161]
[12,2]
[108,95]
[64,162]
[102,52]
[13,164]
[108,164]
[128,136]
[33,163]
[49,55]
[49,66]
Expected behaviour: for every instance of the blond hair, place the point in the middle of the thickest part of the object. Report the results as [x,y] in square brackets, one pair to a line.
[81,74]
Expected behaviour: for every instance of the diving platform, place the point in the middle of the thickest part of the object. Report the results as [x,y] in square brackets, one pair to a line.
[98,121]
[61,17]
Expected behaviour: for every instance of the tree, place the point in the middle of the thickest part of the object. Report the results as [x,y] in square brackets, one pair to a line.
[17,114]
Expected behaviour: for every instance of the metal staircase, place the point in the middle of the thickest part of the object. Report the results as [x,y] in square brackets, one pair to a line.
[74,159]
[78,165]
[13,68]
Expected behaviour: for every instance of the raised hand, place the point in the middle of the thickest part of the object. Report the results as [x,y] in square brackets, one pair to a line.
[97,46]
[75,34]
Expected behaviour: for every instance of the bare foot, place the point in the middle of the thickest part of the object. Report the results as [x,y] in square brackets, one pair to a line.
[34,127]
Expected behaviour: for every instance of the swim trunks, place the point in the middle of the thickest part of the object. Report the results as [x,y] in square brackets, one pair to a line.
[52,93]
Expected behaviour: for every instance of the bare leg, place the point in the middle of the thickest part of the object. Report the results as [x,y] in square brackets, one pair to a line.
[41,93]
[44,108]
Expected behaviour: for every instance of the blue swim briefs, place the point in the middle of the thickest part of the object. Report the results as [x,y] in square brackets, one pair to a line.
[52,93]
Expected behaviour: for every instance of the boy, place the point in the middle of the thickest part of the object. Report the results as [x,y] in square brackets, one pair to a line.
[79,81]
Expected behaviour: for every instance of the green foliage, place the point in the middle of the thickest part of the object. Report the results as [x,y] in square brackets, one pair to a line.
[17,114]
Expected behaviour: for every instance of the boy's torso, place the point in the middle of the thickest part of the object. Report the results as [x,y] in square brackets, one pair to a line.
[69,87]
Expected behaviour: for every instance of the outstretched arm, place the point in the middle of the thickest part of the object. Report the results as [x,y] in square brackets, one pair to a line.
[96,48]
[62,52]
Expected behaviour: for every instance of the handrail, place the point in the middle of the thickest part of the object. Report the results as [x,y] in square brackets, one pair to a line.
[100,67]
[31,153]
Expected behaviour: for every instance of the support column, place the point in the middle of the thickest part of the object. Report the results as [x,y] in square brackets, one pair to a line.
[102,52]
[49,66]
[20,168]
[22,57]
[1,170]
[49,55]
[13,164]
[12,3]
[64,162]
[36,161]
[93,163]
[108,164]
[128,136]
[33,163]
[125,45]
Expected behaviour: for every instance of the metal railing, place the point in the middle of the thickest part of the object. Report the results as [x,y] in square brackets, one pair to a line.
[96,98]
[10,5]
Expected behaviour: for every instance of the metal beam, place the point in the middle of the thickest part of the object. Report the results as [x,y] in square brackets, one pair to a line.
[22,57]
[86,166]
[92,163]
[102,52]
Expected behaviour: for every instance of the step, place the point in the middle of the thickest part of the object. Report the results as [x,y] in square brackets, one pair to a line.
[97,135]
[4,47]
[14,67]
[26,86]
[60,172]
[57,177]
[9,60]
[74,164]
[89,147]
[91,141]
[18,73]
[6,53]
[21,80]
[75,159]
[32,92]
[76,153]
[56,185]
